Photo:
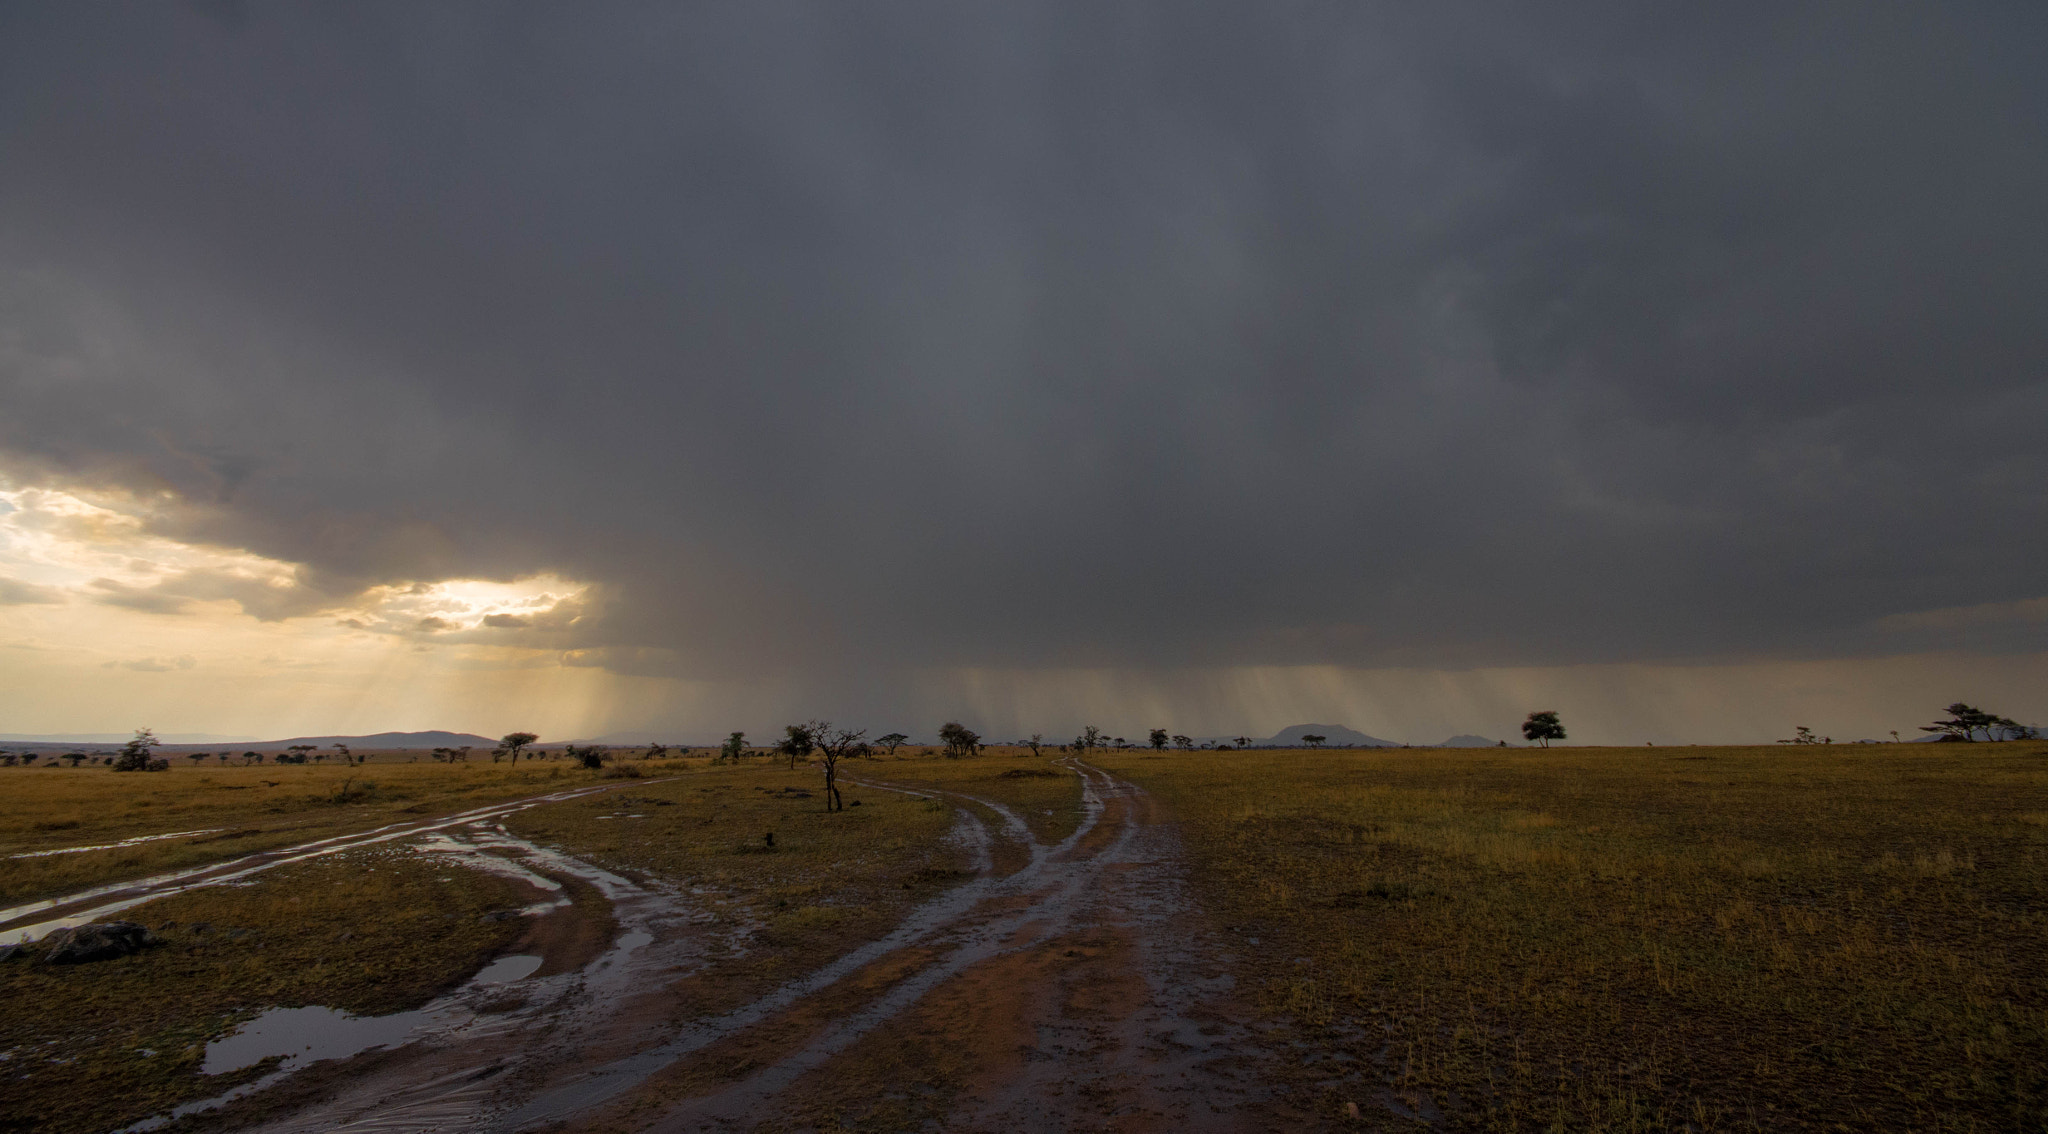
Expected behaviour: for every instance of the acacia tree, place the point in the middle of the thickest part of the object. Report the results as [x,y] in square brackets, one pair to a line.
[1243,741]
[347,758]
[1312,740]
[798,740]
[137,755]
[735,747]
[959,739]
[1543,726]
[1036,744]
[1184,743]
[1964,721]
[833,745]
[1158,740]
[892,741]
[512,744]
[1091,737]
[589,756]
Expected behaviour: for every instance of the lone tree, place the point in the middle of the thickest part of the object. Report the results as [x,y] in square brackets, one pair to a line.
[959,739]
[1036,744]
[1312,740]
[1964,721]
[735,747]
[1158,740]
[1091,737]
[892,741]
[1243,741]
[138,754]
[512,744]
[1543,726]
[797,741]
[1184,743]
[834,745]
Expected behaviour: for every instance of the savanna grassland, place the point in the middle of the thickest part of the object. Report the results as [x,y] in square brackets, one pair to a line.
[1601,939]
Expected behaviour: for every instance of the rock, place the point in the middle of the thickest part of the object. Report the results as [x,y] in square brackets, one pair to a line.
[97,943]
[9,952]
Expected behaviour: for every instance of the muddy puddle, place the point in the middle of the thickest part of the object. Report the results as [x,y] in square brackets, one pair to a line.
[503,1026]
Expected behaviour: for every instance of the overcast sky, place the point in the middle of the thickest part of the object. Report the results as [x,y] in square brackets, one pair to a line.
[684,368]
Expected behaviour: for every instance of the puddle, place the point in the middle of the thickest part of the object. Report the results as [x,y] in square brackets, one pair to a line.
[307,1035]
[505,970]
[464,1039]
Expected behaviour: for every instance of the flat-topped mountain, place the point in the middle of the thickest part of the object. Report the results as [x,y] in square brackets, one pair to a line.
[1334,736]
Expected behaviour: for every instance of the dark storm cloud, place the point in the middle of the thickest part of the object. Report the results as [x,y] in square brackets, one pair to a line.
[1023,334]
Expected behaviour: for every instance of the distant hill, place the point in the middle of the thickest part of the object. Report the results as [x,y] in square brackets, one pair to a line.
[1335,736]
[1468,741]
[115,738]
[386,740]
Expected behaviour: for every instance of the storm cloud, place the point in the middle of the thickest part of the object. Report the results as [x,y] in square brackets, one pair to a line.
[829,342]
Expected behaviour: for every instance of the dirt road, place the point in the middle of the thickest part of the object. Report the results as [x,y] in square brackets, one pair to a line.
[1074,987]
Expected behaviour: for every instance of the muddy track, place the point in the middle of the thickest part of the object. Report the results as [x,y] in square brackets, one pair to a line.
[30,921]
[1080,990]
[1114,1003]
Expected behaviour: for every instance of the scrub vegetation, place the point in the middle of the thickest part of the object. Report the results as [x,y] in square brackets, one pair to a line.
[1847,937]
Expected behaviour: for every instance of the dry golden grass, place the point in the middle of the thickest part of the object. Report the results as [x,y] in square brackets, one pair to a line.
[1643,939]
